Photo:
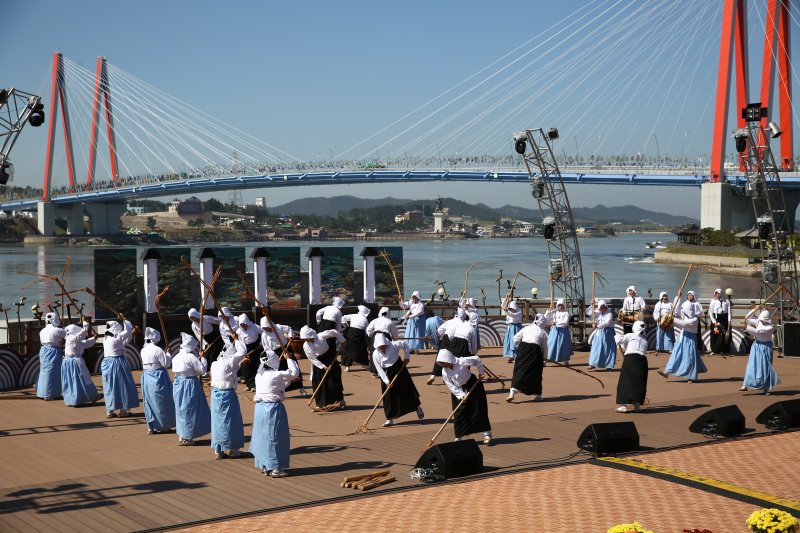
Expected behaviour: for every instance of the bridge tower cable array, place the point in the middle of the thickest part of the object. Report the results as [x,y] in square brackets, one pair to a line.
[547,186]
[774,222]
[733,42]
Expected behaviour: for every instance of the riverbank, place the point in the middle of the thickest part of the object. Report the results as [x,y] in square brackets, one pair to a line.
[718,264]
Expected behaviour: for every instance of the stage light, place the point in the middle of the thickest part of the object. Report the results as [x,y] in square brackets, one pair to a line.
[741,135]
[537,190]
[754,112]
[6,172]
[549,227]
[36,117]
[535,292]
[520,139]
[729,292]
[440,292]
[774,130]
[4,96]
[552,134]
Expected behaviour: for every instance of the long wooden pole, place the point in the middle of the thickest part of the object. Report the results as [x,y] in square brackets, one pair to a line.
[321,383]
[385,257]
[363,426]
[161,317]
[463,400]
[264,311]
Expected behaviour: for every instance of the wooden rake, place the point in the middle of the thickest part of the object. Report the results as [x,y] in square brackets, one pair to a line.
[363,426]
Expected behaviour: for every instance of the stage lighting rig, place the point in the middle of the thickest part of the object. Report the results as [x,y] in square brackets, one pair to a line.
[16,109]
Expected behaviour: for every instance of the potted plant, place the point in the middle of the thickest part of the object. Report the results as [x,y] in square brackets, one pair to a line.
[772,521]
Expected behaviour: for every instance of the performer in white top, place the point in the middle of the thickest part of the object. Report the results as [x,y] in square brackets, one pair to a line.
[76,382]
[698,312]
[119,389]
[330,317]
[321,351]
[531,344]
[760,374]
[665,337]
[227,428]
[685,360]
[274,340]
[719,311]
[355,331]
[559,340]
[383,324]
[415,322]
[403,397]
[473,417]
[632,385]
[193,416]
[631,308]
[250,334]
[513,325]
[51,358]
[270,442]
[446,332]
[159,405]
[603,354]
[226,317]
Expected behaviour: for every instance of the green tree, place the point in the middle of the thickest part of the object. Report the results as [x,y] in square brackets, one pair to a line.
[151,223]
[212,204]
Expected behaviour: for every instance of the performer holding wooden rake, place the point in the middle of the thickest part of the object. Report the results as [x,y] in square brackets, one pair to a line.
[403,397]
[473,416]
[321,351]
[531,345]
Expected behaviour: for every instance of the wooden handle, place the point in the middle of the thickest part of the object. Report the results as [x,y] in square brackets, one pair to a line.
[364,476]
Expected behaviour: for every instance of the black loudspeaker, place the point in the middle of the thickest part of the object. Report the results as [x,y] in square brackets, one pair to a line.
[609,438]
[453,459]
[720,422]
[791,339]
[781,415]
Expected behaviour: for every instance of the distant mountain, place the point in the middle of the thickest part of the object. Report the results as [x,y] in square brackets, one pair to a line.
[599,214]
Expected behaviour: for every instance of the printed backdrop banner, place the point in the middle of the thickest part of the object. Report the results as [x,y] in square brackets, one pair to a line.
[172,273]
[283,277]
[338,278]
[385,287]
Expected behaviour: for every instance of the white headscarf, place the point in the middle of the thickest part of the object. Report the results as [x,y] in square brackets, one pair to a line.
[540,320]
[661,296]
[244,319]
[364,310]
[271,359]
[307,333]
[380,340]
[560,301]
[226,311]
[338,302]
[415,293]
[512,305]
[638,327]
[188,343]
[462,314]
[384,311]
[764,317]
[692,293]
[632,288]
[152,335]
[264,323]
[194,313]
[471,302]
[445,356]
[52,318]
[114,327]
[73,329]
[602,303]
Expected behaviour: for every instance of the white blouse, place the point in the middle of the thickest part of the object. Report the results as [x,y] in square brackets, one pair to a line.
[332,313]
[603,320]
[356,320]
[632,304]
[271,384]
[717,307]
[464,330]
[455,378]
[632,343]
[532,334]
[74,345]
[383,324]
[513,317]
[661,308]
[250,336]
[689,325]
[114,345]
[561,319]
[762,332]
[223,370]
[153,356]
[414,309]
[52,336]
[385,360]
[272,340]
[314,349]
[188,365]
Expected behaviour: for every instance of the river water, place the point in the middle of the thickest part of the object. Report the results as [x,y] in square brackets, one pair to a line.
[623,260]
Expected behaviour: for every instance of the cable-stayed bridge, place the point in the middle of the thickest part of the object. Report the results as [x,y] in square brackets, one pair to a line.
[616,77]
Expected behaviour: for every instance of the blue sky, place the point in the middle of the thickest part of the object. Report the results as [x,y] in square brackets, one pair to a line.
[318,77]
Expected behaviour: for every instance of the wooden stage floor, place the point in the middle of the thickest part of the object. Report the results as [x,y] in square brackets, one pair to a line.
[69,469]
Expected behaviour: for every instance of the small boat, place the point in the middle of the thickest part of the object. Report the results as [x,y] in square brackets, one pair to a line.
[654,244]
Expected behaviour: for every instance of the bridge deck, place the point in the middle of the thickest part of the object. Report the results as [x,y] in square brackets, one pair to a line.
[70,469]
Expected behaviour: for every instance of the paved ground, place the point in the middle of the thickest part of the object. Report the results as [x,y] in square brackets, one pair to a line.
[70,469]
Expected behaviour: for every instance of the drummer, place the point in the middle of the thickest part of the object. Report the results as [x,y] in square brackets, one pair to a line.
[631,308]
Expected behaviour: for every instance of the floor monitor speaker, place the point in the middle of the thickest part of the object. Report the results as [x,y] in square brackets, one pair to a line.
[453,459]
[781,415]
[609,438]
[720,422]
